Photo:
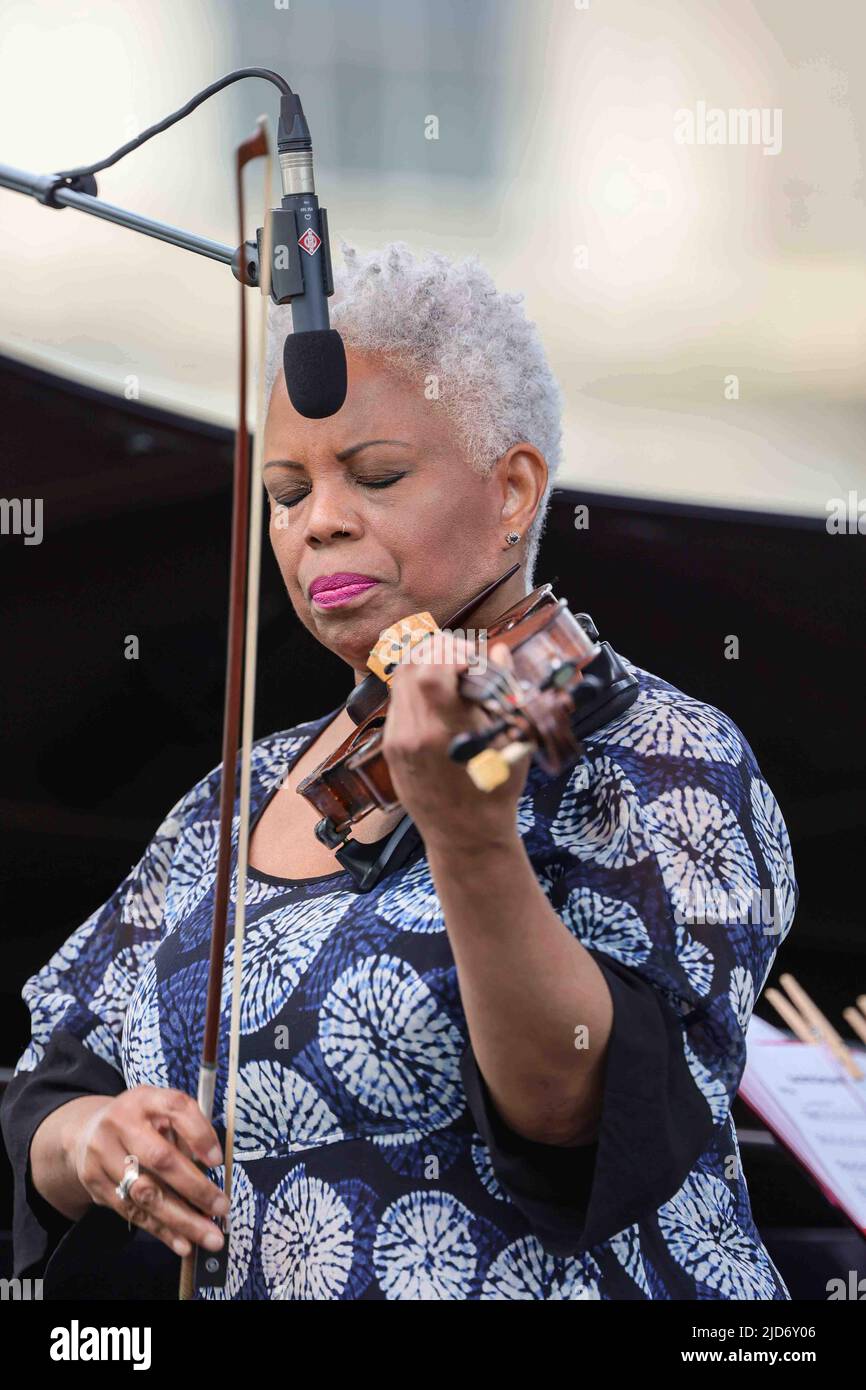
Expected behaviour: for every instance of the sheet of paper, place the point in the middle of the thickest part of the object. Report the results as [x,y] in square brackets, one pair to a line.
[804,1096]
[760,1031]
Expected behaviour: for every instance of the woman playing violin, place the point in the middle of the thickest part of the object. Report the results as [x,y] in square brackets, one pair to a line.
[506,1070]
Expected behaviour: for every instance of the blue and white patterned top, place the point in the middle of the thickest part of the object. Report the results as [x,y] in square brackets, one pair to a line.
[361,1172]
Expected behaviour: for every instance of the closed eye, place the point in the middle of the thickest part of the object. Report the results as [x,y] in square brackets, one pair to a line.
[292,499]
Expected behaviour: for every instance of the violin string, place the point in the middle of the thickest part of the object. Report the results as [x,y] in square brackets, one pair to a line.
[497,683]
[250,656]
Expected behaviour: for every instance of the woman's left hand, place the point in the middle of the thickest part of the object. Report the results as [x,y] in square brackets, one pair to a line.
[425,711]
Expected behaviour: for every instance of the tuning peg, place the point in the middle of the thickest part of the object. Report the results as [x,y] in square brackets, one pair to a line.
[492,767]
[586,689]
[559,675]
[463,747]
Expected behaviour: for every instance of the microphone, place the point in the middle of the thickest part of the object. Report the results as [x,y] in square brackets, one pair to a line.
[314,358]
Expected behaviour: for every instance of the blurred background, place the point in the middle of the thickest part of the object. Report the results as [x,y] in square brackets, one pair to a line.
[654,269]
[702,306]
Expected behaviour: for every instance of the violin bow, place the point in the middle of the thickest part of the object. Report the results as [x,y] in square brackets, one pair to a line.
[238,715]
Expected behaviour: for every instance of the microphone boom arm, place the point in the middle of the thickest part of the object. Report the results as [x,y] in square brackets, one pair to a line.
[314,355]
[76,188]
[54,191]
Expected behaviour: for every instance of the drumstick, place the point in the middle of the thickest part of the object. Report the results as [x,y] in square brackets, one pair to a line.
[856,1021]
[797,1025]
[821,1025]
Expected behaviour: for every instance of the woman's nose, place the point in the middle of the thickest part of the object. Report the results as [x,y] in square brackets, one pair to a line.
[329,516]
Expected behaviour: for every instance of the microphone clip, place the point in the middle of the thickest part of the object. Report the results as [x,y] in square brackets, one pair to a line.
[48,185]
[292,237]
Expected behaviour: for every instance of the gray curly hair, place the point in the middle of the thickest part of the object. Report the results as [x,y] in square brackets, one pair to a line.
[434,317]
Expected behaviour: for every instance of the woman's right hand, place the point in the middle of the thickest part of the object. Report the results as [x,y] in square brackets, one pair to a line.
[165,1130]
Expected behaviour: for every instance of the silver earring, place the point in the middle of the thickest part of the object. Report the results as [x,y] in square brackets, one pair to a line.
[513,537]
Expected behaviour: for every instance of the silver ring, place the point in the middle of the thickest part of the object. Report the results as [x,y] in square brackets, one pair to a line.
[131,1175]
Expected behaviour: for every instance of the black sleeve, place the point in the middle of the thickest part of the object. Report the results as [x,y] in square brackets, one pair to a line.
[67,1070]
[654,1125]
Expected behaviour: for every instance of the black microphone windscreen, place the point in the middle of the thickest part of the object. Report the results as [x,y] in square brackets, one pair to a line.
[315,367]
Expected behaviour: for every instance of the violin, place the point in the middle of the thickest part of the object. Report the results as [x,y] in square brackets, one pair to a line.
[532,706]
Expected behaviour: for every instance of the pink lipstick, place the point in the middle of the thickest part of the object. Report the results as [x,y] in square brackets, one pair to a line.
[332,590]
[332,598]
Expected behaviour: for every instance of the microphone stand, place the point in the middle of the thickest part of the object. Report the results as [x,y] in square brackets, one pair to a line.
[314,358]
[57,191]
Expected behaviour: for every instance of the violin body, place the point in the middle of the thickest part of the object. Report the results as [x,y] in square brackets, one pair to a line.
[550,649]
